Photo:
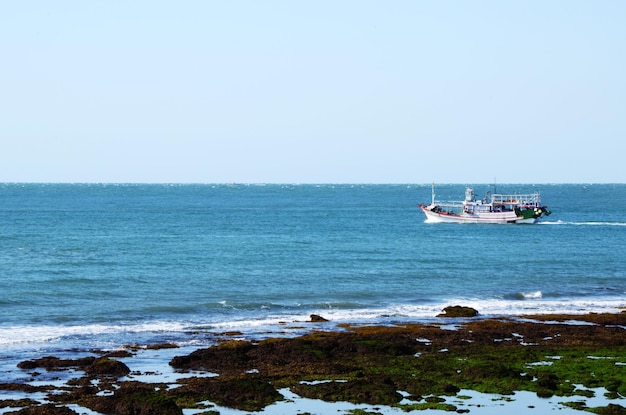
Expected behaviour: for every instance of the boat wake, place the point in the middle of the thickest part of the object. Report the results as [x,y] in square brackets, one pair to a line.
[590,223]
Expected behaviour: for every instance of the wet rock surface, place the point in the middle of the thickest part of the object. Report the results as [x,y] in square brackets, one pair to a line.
[458,311]
[47,409]
[133,398]
[547,355]
[246,393]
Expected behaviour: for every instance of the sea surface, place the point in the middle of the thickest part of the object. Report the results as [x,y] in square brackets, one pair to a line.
[87,266]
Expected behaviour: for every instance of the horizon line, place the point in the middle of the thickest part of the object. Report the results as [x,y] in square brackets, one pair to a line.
[233,183]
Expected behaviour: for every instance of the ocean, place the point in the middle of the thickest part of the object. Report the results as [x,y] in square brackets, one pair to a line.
[98,266]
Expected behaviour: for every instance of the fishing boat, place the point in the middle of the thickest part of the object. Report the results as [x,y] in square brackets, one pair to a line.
[494,208]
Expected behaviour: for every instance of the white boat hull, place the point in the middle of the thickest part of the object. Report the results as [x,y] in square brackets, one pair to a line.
[482,217]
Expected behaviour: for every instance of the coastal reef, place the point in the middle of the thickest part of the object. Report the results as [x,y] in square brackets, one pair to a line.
[409,366]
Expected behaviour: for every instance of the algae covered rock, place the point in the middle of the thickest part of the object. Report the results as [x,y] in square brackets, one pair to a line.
[51,363]
[458,311]
[134,398]
[47,409]
[374,392]
[248,393]
[107,367]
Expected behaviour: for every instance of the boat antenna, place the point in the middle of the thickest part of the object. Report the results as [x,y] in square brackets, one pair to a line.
[433,194]
[494,186]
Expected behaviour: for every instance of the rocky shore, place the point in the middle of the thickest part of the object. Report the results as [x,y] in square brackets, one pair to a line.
[408,366]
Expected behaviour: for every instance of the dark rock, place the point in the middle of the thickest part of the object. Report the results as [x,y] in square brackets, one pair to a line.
[156,346]
[374,392]
[435,399]
[458,311]
[228,356]
[451,389]
[107,367]
[116,353]
[91,365]
[544,393]
[28,365]
[48,409]
[80,389]
[247,394]
[231,333]
[548,381]
[134,398]
[611,409]
[51,363]
[160,346]
[17,403]
[317,319]
[24,387]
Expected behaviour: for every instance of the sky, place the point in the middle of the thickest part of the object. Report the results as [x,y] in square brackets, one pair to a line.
[313,92]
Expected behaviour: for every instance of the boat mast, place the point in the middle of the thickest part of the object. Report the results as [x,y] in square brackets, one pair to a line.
[433,195]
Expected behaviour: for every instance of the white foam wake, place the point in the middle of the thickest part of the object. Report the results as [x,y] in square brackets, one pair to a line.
[588,223]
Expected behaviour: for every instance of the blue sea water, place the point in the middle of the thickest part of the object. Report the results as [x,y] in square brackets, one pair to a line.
[102,265]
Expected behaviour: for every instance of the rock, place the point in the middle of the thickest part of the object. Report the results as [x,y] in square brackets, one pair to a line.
[162,346]
[229,356]
[116,353]
[134,398]
[28,364]
[251,393]
[317,319]
[51,363]
[91,365]
[107,367]
[458,311]
[611,409]
[24,387]
[358,391]
[48,409]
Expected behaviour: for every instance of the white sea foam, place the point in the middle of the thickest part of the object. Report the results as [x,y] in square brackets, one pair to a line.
[588,223]
[532,295]
[535,304]
[183,331]
[14,335]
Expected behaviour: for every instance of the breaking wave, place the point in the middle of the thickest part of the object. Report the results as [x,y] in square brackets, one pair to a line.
[533,295]
[288,322]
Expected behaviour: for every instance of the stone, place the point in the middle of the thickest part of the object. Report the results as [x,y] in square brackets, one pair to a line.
[458,311]
[317,319]
[107,367]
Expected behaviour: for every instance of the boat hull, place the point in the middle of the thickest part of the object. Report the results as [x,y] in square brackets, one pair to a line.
[483,217]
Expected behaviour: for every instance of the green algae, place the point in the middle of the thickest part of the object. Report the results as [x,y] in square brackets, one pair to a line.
[382,392]
[133,398]
[248,393]
[422,406]
[361,412]
[504,371]
[498,357]
[372,365]
[610,409]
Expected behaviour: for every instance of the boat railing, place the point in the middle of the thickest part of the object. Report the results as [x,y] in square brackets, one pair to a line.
[454,204]
[532,199]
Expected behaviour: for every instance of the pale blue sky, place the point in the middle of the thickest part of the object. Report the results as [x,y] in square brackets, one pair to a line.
[319,91]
